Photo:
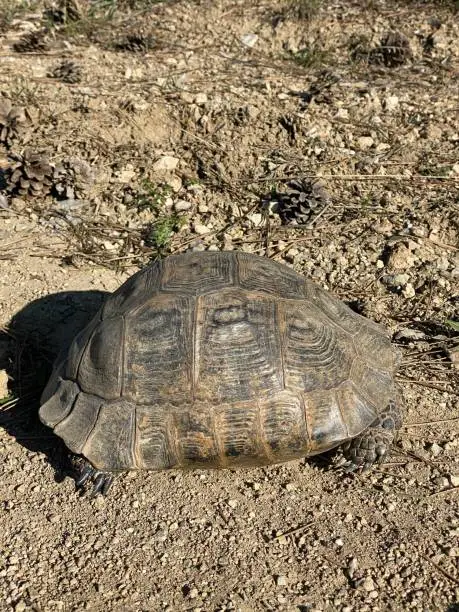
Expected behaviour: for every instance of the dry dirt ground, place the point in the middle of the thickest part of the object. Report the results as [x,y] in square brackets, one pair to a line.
[134,129]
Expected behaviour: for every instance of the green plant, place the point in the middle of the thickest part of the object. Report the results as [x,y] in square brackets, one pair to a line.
[151,196]
[309,56]
[303,9]
[11,9]
[161,231]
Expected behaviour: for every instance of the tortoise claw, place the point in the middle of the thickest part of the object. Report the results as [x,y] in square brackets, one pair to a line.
[98,484]
[101,481]
[85,475]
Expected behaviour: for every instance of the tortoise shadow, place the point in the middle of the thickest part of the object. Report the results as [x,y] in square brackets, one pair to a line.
[30,344]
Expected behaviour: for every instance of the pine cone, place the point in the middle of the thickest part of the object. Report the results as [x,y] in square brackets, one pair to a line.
[70,10]
[13,119]
[73,178]
[393,50]
[32,41]
[67,72]
[302,201]
[31,175]
[136,43]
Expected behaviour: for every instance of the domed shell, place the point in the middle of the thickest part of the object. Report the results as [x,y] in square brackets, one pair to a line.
[218,359]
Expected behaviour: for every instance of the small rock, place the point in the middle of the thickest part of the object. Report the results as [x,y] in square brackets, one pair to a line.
[453,355]
[383,227]
[182,205]
[3,384]
[352,567]
[396,280]
[256,219]
[441,482]
[249,40]
[135,503]
[454,479]
[400,257]
[20,606]
[281,581]
[409,291]
[339,542]
[175,182]
[232,503]
[125,176]
[193,593]
[409,334]
[53,518]
[435,449]
[368,584]
[391,103]
[166,163]
[200,98]
[109,246]
[201,229]
[365,142]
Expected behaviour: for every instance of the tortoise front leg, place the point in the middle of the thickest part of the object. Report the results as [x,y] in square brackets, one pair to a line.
[101,481]
[373,445]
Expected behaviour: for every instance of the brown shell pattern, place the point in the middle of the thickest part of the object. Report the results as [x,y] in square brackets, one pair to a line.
[218,360]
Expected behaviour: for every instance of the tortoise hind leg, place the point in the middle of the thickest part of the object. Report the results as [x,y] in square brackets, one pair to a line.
[101,481]
[373,445]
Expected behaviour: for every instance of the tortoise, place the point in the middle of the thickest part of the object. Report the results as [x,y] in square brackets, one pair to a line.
[222,360]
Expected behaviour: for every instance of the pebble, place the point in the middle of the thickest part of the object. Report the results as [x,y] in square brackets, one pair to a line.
[400,257]
[249,40]
[409,291]
[409,334]
[193,593]
[435,449]
[391,103]
[182,205]
[453,355]
[365,142]
[200,99]
[352,567]
[3,384]
[232,503]
[454,479]
[166,163]
[368,584]
[281,581]
[256,219]
[201,229]
[396,280]
[441,482]
[175,182]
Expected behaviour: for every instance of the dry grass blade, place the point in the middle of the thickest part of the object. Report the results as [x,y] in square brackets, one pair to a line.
[428,383]
[440,569]
[416,457]
[292,531]
[444,492]
[422,423]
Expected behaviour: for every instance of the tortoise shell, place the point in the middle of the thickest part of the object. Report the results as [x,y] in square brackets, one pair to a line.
[218,360]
